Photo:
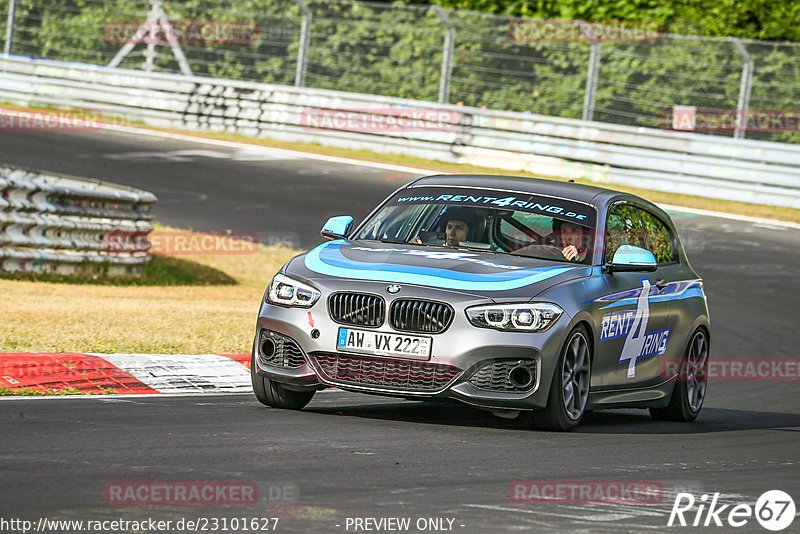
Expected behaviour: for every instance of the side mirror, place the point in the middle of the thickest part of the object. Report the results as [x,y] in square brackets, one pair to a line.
[337,227]
[628,258]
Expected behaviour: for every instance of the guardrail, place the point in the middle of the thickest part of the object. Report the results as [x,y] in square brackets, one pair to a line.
[64,224]
[695,164]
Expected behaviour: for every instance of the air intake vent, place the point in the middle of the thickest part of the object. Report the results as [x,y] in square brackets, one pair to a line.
[497,375]
[276,350]
[402,375]
[357,309]
[423,316]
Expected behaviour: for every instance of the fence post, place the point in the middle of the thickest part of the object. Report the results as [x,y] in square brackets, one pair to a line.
[12,7]
[591,74]
[156,16]
[305,38]
[745,86]
[150,53]
[447,54]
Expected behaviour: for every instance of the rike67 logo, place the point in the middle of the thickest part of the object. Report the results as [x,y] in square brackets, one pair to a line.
[774,510]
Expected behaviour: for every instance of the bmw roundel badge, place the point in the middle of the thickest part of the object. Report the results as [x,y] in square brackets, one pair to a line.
[394,288]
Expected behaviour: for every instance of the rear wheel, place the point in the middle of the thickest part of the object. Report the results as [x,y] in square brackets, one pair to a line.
[690,389]
[569,390]
[274,394]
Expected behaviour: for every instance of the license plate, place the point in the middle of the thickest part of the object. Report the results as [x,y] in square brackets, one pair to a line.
[383,344]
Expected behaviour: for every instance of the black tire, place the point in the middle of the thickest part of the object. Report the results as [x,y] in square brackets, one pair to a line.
[556,415]
[274,394]
[690,389]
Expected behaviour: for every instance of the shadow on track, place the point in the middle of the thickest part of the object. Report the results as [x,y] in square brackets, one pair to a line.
[711,420]
[422,412]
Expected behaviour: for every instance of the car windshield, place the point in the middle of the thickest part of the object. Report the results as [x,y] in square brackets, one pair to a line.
[486,220]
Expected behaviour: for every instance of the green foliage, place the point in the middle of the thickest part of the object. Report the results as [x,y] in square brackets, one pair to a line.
[396,50]
[378,50]
[756,19]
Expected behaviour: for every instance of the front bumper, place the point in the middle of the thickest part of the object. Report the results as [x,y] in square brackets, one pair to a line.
[467,364]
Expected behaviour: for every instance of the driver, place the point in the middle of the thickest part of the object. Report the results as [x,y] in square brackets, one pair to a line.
[455,232]
[459,223]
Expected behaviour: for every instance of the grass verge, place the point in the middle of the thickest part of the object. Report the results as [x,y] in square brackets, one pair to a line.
[182,305]
[10,392]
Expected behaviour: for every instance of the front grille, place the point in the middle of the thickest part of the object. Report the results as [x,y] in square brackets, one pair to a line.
[285,351]
[493,376]
[358,309]
[408,315]
[403,375]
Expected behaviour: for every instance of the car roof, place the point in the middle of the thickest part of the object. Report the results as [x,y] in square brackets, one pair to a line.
[588,194]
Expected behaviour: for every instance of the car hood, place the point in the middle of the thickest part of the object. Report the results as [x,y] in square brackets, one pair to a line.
[469,272]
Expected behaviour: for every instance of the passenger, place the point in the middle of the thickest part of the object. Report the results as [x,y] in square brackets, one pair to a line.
[570,238]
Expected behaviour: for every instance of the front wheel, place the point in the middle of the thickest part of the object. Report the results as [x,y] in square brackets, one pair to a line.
[569,390]
[274,394]
[690,390]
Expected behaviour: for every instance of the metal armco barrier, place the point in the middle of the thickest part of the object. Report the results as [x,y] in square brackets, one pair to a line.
[63,224]
[694,164]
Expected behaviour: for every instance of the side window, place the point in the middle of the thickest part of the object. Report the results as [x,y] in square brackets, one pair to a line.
[623,228]
[394,223]
[660,240]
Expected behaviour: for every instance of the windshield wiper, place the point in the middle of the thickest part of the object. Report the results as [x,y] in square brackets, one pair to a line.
[389,241]
[477,249]
[438,245]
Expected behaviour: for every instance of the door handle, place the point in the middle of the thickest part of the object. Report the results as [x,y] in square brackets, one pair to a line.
[661,283]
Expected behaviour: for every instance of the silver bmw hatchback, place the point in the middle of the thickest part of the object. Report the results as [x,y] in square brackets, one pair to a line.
[529,298]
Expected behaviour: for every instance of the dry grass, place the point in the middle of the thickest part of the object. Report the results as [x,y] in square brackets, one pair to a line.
[187,304]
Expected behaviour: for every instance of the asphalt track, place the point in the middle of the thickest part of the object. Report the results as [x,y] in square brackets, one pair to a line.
[359,456]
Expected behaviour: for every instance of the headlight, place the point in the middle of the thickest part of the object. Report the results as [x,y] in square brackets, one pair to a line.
[528,317]
[289,292]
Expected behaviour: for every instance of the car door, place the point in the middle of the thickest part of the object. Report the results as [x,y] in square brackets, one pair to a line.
[634,325]
[673,279]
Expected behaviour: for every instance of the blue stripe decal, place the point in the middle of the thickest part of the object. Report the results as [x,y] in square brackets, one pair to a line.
[674,291]
[342,341]
[328,259]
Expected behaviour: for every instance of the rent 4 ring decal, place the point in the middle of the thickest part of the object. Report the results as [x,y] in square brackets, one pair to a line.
[632,325]
[559,208]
